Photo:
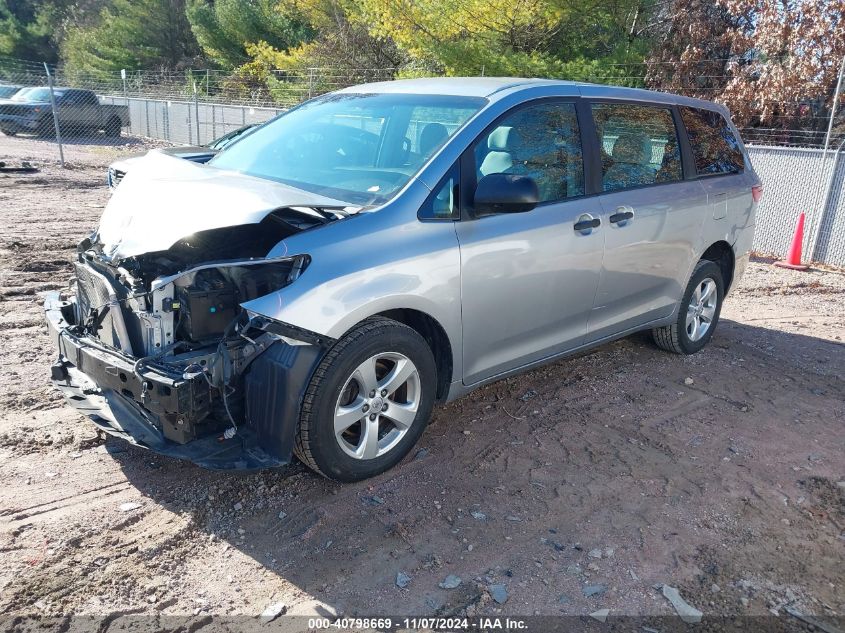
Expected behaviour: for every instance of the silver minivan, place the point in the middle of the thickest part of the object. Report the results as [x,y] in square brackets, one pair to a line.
[319,285]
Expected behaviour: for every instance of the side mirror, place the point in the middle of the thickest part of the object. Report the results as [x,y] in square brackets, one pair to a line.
[505,193]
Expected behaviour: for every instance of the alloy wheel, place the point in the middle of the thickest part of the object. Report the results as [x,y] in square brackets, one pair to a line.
[701,309]
[377,405]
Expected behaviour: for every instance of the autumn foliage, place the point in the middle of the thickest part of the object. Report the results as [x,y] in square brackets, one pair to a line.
[772,63]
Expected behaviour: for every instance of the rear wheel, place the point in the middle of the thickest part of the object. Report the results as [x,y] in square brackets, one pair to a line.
[698,313]
[113,127]
[45,127]
[368,401]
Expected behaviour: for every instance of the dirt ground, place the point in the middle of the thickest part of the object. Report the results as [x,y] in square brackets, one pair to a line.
[721,474]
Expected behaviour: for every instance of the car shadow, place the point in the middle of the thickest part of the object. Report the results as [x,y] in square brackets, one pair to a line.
[513,483]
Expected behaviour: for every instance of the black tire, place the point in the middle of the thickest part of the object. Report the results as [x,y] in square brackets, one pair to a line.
[45,128]
[316,444]
[676,338]
[113,127]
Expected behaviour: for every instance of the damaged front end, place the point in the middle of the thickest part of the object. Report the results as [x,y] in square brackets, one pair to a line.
[156,348]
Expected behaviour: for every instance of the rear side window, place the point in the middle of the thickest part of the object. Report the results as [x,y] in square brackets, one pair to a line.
[638,143]
[541,141]
[715,148]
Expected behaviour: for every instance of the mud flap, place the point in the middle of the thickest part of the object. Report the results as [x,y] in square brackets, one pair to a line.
[274,387]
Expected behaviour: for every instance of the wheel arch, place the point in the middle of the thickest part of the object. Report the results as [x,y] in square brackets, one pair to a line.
[114,124]
[435,336]
[721,253]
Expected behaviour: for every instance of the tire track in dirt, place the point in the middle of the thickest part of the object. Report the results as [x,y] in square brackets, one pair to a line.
[686,488]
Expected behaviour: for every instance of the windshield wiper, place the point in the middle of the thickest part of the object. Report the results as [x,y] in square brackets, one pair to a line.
[328,212]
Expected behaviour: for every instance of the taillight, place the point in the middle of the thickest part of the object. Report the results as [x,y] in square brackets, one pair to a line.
[757,192]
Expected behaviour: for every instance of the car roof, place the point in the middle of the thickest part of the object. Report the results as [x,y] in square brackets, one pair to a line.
[457,86]
[60,88]
[489,87]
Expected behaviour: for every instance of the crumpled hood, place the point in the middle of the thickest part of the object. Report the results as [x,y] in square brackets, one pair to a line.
[163,199]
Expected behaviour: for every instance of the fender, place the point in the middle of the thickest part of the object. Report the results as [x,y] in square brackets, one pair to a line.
[368,264]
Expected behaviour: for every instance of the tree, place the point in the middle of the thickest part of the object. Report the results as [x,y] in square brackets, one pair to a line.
[29,30]
[225,29]
[551,38]
[793,51]
[766,61]
[133,34]
[339,52]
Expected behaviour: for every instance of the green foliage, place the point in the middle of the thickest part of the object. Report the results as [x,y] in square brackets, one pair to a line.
[572,39]
[272,45]
[226,28]
[27,29]
[133,34]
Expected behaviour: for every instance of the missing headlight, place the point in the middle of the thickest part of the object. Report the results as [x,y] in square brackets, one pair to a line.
[207,300]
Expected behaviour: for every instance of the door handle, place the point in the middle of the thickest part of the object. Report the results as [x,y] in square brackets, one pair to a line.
[622,216]
[586,225]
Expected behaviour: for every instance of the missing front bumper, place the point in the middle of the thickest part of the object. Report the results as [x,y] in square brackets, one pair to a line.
[119,416]
[172,414]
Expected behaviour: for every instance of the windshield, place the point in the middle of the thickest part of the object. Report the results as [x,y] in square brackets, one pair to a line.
[8,91]
[33,95]
[358,148]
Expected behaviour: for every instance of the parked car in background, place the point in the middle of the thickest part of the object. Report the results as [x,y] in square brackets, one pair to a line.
[7,90]
[17,96]
[317,287]
[194,153]
[79,112]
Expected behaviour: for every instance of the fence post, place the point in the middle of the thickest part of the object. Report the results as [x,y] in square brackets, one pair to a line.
[817,229]
[818,215]
[126,98]
[197,112]
[55,115]
[310,82]
[833,108]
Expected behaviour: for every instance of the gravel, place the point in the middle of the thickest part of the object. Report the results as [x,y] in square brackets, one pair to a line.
[608,457]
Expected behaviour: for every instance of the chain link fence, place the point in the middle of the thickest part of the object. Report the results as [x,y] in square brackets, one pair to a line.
[126,110]
[190,122]
[797,180]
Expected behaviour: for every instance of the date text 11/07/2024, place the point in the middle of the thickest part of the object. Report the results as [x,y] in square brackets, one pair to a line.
[439,624]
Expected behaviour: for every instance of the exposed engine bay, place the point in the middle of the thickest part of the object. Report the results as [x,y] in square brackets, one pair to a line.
[186,297]
[168,333]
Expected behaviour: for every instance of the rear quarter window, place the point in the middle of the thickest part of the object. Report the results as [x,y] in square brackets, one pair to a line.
[715,148]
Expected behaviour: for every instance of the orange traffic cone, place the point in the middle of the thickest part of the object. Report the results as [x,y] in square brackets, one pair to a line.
[793,259]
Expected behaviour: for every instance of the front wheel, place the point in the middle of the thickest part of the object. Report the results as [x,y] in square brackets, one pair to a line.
[368,401]
[698,313]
